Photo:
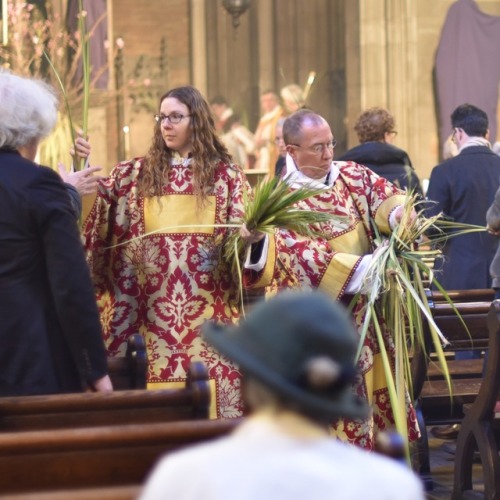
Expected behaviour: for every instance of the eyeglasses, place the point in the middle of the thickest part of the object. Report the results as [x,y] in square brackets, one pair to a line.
[318,149]
[173,118]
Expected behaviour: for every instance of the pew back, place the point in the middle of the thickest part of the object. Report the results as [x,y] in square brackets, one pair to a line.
[130,371]
[61,411]
[116,455]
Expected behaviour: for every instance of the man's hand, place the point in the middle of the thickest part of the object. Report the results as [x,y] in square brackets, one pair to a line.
[250,237]
[399,211]
[494,232]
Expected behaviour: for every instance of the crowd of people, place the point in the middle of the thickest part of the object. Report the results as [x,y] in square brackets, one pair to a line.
[152,262]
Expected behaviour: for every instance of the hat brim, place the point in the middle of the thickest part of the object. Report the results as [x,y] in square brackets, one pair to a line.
[236,348]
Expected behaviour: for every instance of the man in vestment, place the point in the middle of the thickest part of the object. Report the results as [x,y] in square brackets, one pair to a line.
[336,262]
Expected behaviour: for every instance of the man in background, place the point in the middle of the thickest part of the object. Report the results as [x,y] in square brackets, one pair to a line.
[463,188]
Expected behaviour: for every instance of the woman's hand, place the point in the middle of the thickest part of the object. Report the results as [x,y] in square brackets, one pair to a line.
[81,148]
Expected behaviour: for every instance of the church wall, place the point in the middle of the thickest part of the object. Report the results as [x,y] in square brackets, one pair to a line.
[364,53]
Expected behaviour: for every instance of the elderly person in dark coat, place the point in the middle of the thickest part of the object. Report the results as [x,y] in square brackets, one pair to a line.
[50,334]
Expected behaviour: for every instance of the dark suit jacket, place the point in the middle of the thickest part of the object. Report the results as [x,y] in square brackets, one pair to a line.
[50,334]
[465,187]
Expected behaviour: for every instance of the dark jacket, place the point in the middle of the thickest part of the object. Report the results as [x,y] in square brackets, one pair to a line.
[386,160]
[50,334]
[493,220]
[465,187]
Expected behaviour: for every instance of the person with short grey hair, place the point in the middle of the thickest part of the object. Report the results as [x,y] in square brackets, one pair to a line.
[50,331]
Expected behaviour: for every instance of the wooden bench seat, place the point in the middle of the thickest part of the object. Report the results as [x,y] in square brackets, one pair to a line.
[477,427]
[433,401]
[61,411]
[94,457]
[436,403]
[104,493]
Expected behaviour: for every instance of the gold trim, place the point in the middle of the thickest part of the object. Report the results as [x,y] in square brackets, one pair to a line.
[384,210]
[179,210]
[268,272]
[375,378]
[212,411]
[354,242]
[337,273]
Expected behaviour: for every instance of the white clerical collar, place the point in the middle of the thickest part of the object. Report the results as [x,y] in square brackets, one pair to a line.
[177,159]
[296,178]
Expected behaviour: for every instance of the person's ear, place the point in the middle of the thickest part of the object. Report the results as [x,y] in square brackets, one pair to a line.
[487,135]
[291,150]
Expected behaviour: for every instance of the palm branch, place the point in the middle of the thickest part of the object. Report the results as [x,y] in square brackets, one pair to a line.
[395,292]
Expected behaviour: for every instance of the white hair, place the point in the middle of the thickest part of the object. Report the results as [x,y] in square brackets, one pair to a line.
[28,110]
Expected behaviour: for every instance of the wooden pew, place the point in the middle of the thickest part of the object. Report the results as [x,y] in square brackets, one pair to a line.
[428,381]
[63,411]
[93,458]
[477,426]
[432,398]
[130,371]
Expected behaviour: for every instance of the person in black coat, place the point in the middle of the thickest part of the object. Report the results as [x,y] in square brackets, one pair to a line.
[376,132]
[50,334]
[463,188]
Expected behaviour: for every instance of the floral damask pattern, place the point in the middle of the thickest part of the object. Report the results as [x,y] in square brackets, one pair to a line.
[167,284]
[357,198]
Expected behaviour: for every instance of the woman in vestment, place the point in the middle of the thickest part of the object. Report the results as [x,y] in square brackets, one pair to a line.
[155,251]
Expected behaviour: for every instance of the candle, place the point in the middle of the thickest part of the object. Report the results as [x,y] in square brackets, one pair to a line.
[126,141]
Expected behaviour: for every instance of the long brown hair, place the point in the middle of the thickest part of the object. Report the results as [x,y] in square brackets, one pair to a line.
[207,150]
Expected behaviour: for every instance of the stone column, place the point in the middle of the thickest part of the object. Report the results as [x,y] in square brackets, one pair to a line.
[381,64]
[198,45]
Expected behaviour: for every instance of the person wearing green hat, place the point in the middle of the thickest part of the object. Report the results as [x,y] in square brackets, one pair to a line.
[297,378]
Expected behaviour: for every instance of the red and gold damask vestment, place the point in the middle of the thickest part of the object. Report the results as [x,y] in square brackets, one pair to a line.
[158,270]
[359,199]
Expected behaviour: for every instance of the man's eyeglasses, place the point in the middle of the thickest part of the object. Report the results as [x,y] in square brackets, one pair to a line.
[318,149]
[173,118]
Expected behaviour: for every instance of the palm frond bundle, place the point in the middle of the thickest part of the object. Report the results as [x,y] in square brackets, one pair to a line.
[273,205]
[395,291]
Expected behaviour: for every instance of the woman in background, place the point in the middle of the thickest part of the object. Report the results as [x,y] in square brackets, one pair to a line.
[376,133]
